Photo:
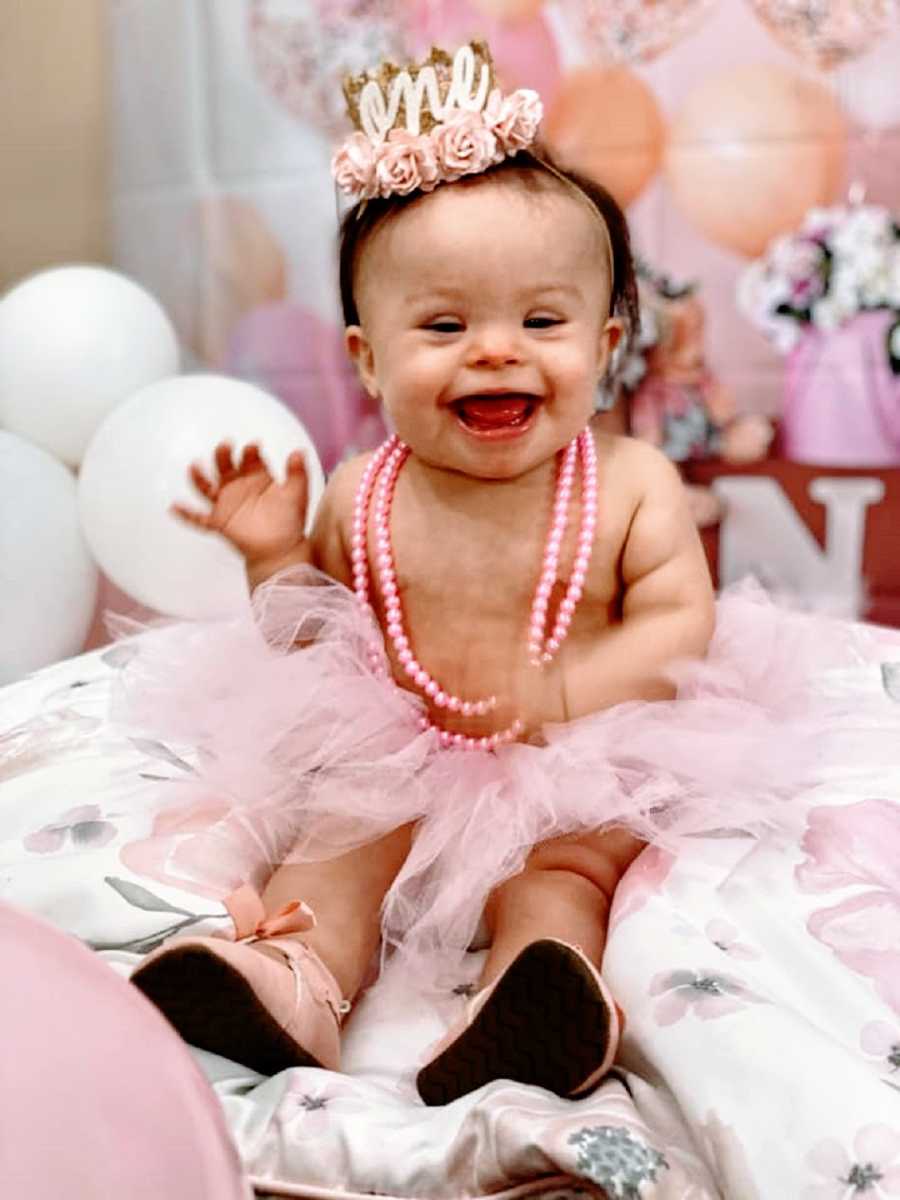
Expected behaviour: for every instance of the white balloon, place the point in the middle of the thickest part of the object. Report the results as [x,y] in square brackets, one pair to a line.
[48,582]
[868,86]
[137,465]
[74,342]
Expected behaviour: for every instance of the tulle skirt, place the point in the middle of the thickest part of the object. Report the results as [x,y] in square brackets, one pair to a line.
[303,754]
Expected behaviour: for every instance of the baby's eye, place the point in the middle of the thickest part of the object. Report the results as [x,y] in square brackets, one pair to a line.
[542,322]
[446,326]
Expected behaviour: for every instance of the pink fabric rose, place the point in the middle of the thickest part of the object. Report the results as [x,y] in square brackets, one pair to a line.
[514,119]
[353,167]
[405,162]
[464,145]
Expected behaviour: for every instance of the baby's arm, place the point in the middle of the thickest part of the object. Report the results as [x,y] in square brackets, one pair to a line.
[264,519]
[324,547]
[259,570]
[667,602]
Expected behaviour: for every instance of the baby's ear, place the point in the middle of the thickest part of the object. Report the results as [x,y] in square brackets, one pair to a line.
[610,337]
[360,352]
[613,331]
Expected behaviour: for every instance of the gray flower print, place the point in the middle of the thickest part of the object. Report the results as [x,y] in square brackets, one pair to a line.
[617,1160]
[81,826]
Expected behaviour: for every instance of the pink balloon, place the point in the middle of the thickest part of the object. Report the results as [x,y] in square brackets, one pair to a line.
[523,48]
[300,358]
[99,1097]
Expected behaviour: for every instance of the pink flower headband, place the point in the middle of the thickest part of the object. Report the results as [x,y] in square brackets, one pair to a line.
[432,124]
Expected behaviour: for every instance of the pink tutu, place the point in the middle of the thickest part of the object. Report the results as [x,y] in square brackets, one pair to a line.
[303,754]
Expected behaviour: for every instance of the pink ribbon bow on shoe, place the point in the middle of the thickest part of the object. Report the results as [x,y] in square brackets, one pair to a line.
[233,998]
[245,907]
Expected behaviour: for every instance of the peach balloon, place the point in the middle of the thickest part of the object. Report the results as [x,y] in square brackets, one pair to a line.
[510,10]
[753,149]
[606,123]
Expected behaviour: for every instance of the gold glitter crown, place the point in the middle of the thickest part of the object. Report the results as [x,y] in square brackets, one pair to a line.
[420,95]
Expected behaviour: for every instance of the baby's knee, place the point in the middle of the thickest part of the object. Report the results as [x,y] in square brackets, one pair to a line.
[600,858]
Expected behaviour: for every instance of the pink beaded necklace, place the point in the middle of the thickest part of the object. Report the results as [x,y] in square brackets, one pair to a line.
[380,480]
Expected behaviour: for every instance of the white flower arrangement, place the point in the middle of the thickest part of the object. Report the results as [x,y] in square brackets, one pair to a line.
[841,262]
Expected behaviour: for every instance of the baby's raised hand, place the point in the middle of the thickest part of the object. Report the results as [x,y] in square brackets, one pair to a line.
[263,519]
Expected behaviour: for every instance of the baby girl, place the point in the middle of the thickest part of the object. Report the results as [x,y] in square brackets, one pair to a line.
[530,574]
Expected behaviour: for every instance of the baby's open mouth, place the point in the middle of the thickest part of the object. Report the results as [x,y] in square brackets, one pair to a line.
[503,411]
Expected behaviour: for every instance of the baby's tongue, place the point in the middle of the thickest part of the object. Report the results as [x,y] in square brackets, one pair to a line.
[493,412]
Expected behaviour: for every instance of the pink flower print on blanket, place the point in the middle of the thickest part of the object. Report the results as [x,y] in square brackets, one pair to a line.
[708,994]
[311,1110]
[82,828]
[643,879]
[858,844]
[725,937]
[871,1170]
[201,849]
[881,1041]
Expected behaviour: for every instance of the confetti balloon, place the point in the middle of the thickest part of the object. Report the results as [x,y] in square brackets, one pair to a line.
[629,31]
[302,49]
[827,34]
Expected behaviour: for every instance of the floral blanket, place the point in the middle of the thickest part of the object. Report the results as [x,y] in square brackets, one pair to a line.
[761,981]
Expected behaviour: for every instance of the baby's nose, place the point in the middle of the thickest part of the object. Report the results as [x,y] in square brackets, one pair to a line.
[495,348]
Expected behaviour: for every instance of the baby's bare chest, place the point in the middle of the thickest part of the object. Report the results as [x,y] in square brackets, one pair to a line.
[467,586]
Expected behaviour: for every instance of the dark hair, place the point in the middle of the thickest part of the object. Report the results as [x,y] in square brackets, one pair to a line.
[533,170]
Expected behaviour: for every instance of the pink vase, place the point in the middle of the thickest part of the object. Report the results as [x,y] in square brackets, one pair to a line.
[841,403]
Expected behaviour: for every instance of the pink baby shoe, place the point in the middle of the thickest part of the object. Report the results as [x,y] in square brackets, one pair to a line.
[266,1012]
[549,1020]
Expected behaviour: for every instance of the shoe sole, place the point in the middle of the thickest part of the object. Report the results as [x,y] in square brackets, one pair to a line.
[214,1008]
[546,1023]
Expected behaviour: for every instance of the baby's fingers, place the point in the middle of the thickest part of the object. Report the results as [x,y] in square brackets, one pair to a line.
[202,482]
[296,465]
[191,517]
[224,462]
[296,479]
[251,460]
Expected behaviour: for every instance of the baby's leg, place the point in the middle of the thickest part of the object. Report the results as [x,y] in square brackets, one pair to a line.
[564,892]
[275,998]
[345,894]
[549,1019]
